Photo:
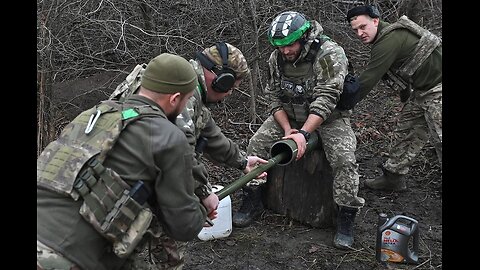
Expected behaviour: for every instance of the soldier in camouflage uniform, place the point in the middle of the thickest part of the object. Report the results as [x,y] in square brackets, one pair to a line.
[410,57]
[220,70]
[303,90]
[138,146]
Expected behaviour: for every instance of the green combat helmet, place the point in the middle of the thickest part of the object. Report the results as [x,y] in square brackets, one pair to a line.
[287,28]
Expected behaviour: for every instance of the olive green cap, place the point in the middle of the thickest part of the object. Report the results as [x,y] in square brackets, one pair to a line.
[168,73]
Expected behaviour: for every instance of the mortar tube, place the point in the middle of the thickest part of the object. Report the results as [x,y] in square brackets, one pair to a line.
[283,152]
[289,146]
[240,182]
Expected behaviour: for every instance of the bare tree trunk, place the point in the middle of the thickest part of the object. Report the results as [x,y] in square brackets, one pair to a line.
[256,69]
[412,9]
[45,119]
[251,82]
[146,12]
[77,39]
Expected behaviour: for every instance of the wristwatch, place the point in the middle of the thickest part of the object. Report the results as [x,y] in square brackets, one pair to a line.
[305,134]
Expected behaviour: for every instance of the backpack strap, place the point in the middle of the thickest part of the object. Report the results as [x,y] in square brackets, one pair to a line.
[426,45]
[314,47]
[130,85]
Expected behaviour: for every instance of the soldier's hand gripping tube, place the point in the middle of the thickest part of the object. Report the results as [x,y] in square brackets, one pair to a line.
[283,152]
[290,147]
[240,182]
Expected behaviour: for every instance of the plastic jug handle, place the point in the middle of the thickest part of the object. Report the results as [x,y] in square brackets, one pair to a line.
[415,236]
[395,218]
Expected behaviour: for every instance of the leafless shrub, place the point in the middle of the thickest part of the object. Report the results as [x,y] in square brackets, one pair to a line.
[76,39]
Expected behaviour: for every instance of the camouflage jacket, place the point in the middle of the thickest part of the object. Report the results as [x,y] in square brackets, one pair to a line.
[196,121]
[324,81]
[390,51]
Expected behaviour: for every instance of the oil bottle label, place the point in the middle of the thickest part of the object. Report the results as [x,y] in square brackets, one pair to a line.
[388,255]
[390,248]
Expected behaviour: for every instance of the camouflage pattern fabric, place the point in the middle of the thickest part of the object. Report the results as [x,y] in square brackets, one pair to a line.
[48,259]
[326,78]
[339,143]
[157,253]
[421,116]
[185,121]
[130,85]
[426,45]
[194,109]
[195,120]
[236,60]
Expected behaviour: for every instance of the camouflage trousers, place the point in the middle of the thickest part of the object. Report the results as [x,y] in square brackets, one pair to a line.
[339,143]
[421,116]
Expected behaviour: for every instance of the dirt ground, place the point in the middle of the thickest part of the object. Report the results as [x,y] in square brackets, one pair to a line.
[275,241]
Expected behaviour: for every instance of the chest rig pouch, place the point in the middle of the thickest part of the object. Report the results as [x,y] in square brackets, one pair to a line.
[298,95]
[296,84]
[72,165]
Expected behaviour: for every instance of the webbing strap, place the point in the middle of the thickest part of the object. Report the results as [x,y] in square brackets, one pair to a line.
[116,186]
[122,212]
[92,202]
[312,53]
[100,190]
[426,45]
[119,219]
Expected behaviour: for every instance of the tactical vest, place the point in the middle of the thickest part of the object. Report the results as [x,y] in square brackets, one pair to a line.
[72,166]
[130,85]
[297,83]
[401,79]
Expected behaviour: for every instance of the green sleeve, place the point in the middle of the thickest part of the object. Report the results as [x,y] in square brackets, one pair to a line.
[386,53]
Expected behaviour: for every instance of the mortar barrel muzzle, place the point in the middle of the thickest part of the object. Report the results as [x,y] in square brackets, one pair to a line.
[289,147]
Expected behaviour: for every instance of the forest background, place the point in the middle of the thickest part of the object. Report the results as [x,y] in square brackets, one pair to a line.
[80,39]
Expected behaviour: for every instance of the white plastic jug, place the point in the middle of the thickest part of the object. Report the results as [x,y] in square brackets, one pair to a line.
[222,225]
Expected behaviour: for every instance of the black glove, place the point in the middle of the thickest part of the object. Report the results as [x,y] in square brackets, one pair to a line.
[349,96]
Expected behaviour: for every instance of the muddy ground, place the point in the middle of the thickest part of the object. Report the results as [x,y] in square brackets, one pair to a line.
[275,241]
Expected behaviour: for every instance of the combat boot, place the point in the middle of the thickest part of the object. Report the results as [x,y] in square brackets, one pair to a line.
[345,221]
[388,181]
[251,208]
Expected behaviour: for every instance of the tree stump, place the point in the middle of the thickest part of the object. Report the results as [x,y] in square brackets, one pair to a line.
[303,190]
